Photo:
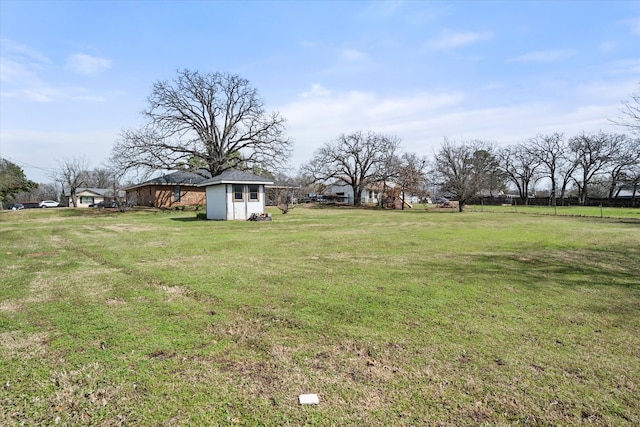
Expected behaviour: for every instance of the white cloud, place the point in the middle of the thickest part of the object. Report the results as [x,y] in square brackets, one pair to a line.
[633,24]
[27,75]
[24,53]
[454,39]
[316,90]
[628,66]
[545,56]
[86,64]
[608,46]
[421,120]
[353,55]
[22,81]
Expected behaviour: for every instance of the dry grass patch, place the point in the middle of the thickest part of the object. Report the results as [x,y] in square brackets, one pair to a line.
[51,285]
[11,306]
[174,292]
[23,345]
[80,393]
[128,228]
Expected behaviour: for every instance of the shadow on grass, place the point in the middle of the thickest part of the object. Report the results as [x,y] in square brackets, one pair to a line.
[188,219]
[606,267]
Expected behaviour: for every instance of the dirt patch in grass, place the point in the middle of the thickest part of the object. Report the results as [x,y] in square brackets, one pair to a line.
[24,345]
[50,285]
[41,254]
[339,372]
[127,228]
[174,292]
[10,306]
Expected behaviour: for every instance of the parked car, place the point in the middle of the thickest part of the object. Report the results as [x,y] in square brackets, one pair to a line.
[104,205]
[15,206]
[49,204]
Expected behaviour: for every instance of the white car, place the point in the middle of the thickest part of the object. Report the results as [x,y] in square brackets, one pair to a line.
[49,204]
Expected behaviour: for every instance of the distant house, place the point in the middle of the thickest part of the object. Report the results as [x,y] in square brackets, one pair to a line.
[235,195]
[372,193]
[87,197]
[167,191]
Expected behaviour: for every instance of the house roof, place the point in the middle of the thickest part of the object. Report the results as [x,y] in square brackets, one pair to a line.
[104,192]
[234,176]
[175,178]
[96,191]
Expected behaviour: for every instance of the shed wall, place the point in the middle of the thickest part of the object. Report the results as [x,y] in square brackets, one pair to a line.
[216,202]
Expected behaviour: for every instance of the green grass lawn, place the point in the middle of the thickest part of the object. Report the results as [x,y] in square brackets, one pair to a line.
[588,211]
[416,317]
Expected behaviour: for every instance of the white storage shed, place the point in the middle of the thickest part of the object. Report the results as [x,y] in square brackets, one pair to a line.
[235,195]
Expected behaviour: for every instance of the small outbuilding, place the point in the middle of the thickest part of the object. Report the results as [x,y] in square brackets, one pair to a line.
[235,195]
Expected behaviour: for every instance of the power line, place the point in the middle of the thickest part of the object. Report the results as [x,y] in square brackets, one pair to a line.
[25,164]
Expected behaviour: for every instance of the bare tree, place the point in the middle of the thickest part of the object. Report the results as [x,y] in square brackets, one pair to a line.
[356,160]
[100,178]
[388,168]
[550,151]
[520,166]
[592,153]
[38,193]
[71,175]
[633,182]
[464,168]
[567,166]
[411,174]
[213,121]
[630,113]
[284,192]
[625,156]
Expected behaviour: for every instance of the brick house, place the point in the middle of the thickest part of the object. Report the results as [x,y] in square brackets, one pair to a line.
[169,191]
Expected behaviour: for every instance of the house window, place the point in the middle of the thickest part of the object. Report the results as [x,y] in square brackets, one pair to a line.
[176,193]
[86,200]
[254,191]
[238,191]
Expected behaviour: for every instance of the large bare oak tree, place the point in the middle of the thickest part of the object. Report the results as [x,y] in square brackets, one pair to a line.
[355,159]
[465,169]
[214,121]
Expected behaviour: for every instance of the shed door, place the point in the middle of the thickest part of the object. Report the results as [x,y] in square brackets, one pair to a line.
[239,198]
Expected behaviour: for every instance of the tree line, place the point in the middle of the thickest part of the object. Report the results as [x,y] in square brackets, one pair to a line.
[211,122]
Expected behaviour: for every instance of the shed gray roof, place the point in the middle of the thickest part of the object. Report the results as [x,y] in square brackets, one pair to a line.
[234,176]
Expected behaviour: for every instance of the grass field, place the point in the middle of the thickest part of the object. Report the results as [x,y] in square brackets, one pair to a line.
[416,317]
[586,211]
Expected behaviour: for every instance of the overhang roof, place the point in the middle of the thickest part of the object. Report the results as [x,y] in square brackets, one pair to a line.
[234,176]
[175,178]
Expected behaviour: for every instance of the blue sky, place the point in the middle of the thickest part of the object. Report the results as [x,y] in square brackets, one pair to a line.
[74,74]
